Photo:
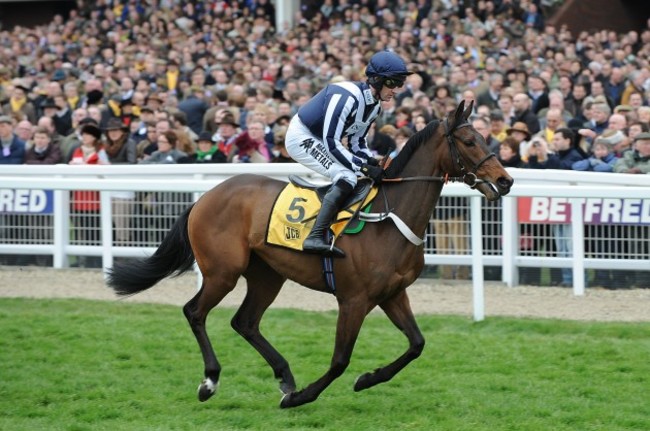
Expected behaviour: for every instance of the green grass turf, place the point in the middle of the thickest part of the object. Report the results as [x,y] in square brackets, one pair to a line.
[87,365]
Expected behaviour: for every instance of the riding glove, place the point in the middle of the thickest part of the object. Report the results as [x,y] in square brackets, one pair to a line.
[372,161]
[374,172]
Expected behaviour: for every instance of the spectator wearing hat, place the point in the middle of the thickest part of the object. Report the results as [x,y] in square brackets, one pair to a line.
[155,101]
[19,106]
[85,206]
[227,132]
[636,161]
[126,112]
[491,217]
[57,109]
[172,76]
[91,151]
[44,151]
[71,142]
[121,149]
[147,116]
[13,148]
[206,152]
[519,131]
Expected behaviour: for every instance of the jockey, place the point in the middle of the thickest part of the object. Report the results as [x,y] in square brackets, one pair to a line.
[342,110]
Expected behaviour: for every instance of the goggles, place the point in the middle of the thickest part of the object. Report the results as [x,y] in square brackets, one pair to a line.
[393,83]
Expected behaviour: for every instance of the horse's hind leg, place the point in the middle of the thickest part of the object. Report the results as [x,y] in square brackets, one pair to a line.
[196,311]
[264,284]
[399,312]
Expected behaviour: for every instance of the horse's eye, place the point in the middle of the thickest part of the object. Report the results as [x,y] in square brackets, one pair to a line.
[469,143]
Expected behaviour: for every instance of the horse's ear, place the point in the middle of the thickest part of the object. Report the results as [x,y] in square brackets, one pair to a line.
[458,115]
[468,111]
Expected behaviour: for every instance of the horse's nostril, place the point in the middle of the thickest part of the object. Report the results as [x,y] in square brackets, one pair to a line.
[504,182]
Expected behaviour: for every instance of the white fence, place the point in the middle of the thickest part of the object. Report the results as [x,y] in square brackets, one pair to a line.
[623,198]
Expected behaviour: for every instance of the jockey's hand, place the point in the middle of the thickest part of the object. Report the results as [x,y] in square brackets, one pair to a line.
[374,172]
[372,161]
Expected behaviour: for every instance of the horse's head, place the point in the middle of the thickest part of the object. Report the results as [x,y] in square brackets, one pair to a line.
[471,158]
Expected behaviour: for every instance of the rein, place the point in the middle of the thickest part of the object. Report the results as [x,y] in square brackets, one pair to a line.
[469,178]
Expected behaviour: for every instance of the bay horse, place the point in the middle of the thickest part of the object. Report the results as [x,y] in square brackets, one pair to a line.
[224,232]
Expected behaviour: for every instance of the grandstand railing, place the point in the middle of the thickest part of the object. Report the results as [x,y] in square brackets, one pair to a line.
[35,202]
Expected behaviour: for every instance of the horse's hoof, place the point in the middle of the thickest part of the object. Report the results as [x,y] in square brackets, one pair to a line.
[285,402]
[207,388]
[289,400]
[362,382]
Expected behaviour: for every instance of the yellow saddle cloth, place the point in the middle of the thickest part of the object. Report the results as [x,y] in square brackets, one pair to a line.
[294,213]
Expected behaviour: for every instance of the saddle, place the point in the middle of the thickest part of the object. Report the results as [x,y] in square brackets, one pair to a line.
[296,207]
[360,190]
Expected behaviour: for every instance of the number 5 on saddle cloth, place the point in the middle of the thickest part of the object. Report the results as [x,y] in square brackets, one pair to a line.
[297,205]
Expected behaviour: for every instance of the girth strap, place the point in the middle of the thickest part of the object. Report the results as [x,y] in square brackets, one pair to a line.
[399,223]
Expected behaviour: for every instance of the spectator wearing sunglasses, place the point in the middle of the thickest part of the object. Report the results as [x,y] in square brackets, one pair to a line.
[343,111]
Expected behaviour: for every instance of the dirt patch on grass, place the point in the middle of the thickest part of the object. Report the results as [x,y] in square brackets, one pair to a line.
[427,296]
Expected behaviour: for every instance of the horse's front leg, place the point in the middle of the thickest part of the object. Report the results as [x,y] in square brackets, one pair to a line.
[398,310]
[349,323]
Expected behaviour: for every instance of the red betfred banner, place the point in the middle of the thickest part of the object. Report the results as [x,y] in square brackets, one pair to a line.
[594,210]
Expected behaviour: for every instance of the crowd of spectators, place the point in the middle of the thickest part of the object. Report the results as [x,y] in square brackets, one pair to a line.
[184,66]
[146,79]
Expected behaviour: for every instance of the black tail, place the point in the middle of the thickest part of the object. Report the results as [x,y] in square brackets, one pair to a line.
[173,257]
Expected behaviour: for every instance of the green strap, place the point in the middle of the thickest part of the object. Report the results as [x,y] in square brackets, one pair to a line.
[356,228]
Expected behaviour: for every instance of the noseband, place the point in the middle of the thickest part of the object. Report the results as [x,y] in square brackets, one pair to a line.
[469,178]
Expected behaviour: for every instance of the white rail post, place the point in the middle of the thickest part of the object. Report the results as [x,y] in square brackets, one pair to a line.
[578,239]
[61,227]
[478,294]
[106,213]
[510,234]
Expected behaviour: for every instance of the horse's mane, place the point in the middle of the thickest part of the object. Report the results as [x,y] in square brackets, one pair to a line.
[399,162]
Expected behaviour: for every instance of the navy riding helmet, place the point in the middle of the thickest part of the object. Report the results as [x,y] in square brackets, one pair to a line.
[386,68]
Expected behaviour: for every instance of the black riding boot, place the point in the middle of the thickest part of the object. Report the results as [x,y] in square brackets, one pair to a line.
[315,241]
